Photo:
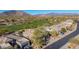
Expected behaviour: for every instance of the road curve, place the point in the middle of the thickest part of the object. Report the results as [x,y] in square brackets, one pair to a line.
[58,44]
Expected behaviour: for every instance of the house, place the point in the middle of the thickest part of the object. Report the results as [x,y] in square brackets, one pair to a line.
[58,27]
[20,41]
[68,23]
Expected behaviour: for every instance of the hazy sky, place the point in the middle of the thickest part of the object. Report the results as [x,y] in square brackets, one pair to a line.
[33,12]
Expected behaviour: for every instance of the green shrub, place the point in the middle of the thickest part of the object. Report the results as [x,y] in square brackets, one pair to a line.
[54,33]
[63,30]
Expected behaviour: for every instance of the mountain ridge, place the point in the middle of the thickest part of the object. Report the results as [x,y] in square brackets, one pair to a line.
[58,14]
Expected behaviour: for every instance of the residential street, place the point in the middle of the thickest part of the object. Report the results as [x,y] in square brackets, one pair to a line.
[58,44]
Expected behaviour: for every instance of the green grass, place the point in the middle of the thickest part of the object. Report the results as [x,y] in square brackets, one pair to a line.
[27,25]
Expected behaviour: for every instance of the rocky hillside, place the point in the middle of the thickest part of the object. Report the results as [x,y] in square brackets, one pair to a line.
[14,17]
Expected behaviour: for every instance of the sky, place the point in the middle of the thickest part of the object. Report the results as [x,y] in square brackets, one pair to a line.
[34,12]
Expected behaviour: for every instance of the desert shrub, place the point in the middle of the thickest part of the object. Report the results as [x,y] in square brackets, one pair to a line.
[63,30]
[54,33]
[38,37]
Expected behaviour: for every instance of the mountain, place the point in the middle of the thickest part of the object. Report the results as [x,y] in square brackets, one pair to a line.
[58,14]
[17,16]
[62,14]
[14,17]
[14,12]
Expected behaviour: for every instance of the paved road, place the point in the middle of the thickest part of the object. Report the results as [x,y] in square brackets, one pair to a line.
[58,44]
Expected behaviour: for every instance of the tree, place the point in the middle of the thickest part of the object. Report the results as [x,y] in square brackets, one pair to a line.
[63,30]
[38,37]
[54,33]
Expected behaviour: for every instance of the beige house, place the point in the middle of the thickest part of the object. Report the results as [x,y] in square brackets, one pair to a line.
[68,23]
